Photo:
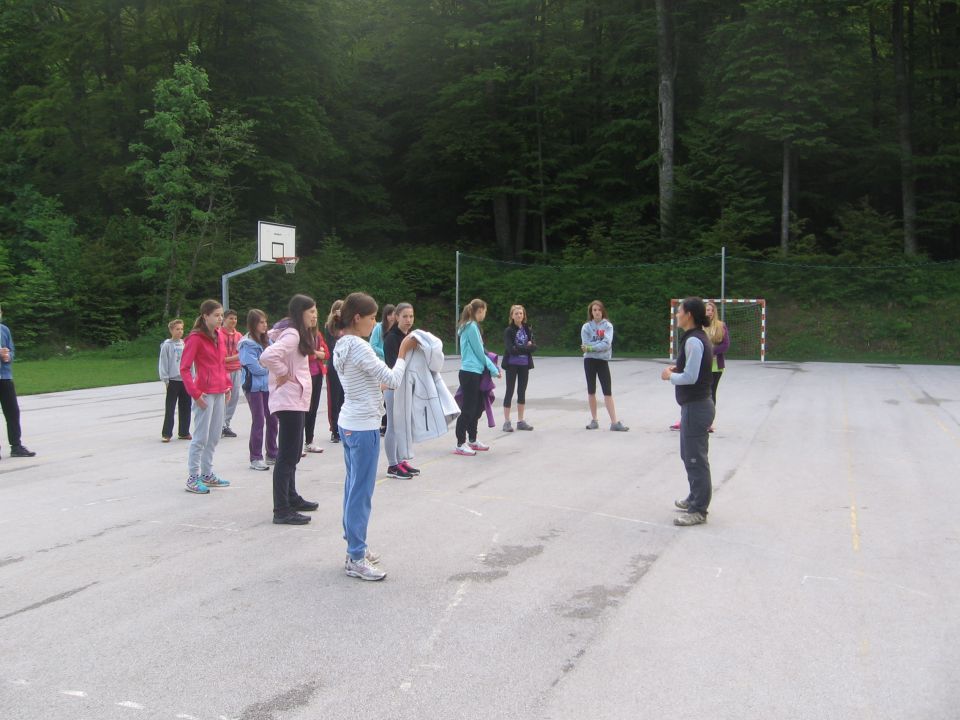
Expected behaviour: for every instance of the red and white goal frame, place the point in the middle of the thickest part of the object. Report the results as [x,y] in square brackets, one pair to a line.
[759,302]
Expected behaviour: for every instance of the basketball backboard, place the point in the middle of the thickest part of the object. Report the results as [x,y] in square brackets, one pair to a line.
[275,241]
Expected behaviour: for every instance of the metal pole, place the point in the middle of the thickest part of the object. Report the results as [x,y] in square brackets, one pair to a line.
[456,308]
[723,283]
[225,281]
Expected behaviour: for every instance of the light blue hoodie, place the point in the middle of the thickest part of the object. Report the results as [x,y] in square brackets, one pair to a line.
[6,340]
[598,336]
[472,357]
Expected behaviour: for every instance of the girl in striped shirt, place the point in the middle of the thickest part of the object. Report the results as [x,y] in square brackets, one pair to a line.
[361,374]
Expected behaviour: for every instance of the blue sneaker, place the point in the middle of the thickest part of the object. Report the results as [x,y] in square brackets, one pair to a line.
[215,481]
[195,485]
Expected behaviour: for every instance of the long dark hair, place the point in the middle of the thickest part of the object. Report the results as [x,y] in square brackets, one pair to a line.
[299,304]
[253,320]
[354,304]
[387,309]
[698,309]
[207,307]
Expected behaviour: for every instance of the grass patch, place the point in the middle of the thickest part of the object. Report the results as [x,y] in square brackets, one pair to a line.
[76,373]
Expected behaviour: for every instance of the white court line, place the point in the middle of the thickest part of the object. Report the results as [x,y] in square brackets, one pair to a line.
[130,704]
[817,577]
[459,507]
[73,693]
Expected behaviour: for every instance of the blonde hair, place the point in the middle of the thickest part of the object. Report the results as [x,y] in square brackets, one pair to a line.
[470,311]
[333,318]
[175,321]
[510,316]
[714,331]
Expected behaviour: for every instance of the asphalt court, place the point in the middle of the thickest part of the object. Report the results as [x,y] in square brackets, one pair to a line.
[543,579]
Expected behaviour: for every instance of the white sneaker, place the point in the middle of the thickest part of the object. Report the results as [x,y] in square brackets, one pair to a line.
[313,447]
[464,449]
[478,446]
[258,465]
[363,569]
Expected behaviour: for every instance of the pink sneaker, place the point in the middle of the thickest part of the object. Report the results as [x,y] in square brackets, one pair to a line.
[675,426]
[464,449]
[478,446]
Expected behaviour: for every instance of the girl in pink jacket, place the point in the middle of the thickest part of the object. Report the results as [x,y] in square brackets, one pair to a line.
[291,386]
[204,373]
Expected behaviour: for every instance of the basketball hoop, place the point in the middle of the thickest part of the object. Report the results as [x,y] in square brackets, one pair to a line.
[289,264]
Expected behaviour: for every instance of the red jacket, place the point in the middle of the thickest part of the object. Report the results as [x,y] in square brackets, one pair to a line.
[202,365]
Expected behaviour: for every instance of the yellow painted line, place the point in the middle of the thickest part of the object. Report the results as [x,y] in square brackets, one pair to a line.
[948,431]
[854,523]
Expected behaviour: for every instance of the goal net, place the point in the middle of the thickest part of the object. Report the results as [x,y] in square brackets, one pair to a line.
[746,320]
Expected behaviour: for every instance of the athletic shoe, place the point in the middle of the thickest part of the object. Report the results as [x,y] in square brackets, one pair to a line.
[675,426]
[409,468]
[478,446]
[21,451]
[188,436]
[690,518]
[271,461]
[313,448]
[464,449]
[682,504]
[214,480]
[363,569]
[618,427]
[195,485]
[165,438]
[258,465]
[334,437]
[395,471]
[507,427]
[710,429]
[523,425]
[372,557]
[227,432]
[293,518]
[305,505]
[593,425]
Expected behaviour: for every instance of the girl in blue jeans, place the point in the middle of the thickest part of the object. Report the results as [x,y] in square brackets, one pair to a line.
[361,374]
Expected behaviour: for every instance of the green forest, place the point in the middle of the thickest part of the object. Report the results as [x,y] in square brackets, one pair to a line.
[571,149]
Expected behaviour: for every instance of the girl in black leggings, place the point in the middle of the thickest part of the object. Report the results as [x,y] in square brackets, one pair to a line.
[517,364]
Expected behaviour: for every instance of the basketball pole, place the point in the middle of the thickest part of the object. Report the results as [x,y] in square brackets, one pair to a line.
[456,308]
[225,281]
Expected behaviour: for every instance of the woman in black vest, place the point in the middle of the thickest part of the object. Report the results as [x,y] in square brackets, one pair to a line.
[692,379]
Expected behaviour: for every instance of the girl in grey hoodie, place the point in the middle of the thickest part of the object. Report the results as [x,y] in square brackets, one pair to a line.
[596,342]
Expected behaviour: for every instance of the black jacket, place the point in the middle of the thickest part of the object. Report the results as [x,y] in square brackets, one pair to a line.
[512,349]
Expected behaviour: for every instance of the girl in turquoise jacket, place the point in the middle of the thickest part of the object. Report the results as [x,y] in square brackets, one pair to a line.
[473,362]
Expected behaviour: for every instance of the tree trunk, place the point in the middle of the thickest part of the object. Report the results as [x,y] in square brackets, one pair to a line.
[171,274]
[543,208]
[785,201]
[907,189]
[877,91]
[501,222]
[520,235]
[668,74]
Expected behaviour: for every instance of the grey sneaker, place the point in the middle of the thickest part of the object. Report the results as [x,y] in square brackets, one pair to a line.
[682,504]
[690,518]
[363,569]
[593,425]
[372,557]
[618,427]
[522,425]
[507,427]
[258,465]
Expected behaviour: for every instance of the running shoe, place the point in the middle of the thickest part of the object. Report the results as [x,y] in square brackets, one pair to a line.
[214,480]
[258,465]
[397,471]
[507,426]
[524,425]
[675,426]
[363,569]
[593,425]
[409,468]
[464,449]
[478,446]
[195,485]
[690,518]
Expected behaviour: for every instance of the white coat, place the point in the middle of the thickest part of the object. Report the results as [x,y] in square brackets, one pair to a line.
[423,406]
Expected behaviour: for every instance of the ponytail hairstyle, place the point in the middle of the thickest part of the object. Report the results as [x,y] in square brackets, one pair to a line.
[470,311]
[387,309]
[299,304]
[716,327]
[603,310]
[354,304]
[510,316]
[207,307]
[253,320]
[696,308]
[333,318]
